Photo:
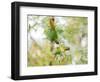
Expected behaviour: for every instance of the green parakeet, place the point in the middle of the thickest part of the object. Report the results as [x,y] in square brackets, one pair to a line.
[51,32]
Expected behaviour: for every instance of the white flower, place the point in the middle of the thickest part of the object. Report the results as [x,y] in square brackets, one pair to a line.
[84,42]
[38,35]
[29,41]
[40,19]
[60,21]
[31,21]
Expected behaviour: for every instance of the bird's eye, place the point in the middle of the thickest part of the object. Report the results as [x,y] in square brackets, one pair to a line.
[52,19]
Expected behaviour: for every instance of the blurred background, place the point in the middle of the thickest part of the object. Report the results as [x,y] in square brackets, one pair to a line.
[57,40]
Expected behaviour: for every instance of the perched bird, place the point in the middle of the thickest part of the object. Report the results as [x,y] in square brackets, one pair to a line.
[51,32]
